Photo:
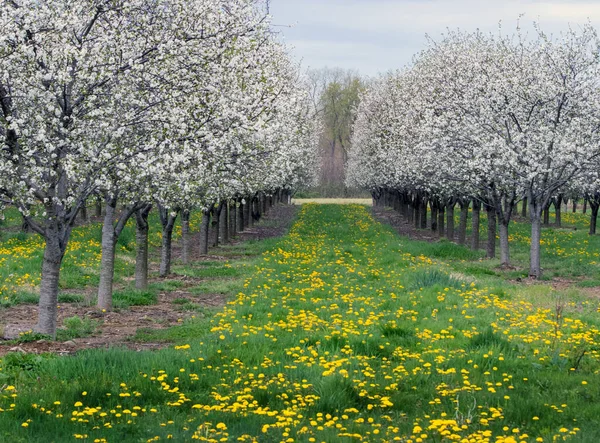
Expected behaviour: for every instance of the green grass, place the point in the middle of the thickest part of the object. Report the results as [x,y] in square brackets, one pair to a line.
[338,331]
[21,256]
[567,252]
[134,297]
[76,327]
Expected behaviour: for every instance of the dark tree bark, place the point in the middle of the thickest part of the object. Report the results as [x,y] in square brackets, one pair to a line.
[417,211]
[558,211]
[240,216]
[167,219]
[204,230]
[434,216]
[84,213]
[491,235]
[547,215]
[247,222]
[594,205]
[450,218]
[574,205]
[524,208]
[535,214]
[442,220]
[462,226]
[505,206]
[224,223]
[423,212]
[475,224]
[98,207]
[186,241]
[232,218]
[141,240]
[585,205]
[216,216]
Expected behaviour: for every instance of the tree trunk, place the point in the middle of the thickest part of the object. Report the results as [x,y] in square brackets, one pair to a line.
[224,223]
[410,211]
[214,224]
[232,218]
[558,211]
[475,222]
[417,212]
[524,208]
[585,205]
[167,218]
[442,220]
[204,230]
[535,213]
[107,263]
[185,236]
[98,207]
[594,217]
[450,219]
[491,235]
[240,216]
[110,234]
[434,216]
[462,226]
[141,241]
[84,213]
[504,247]
[547,215]
[423,211]
[574,205]
[47,312]
[247,222]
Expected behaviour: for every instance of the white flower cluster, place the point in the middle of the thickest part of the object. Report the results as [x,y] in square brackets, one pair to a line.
[487,118]
[181,102]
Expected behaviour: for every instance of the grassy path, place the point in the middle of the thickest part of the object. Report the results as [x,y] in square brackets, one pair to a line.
[340,335]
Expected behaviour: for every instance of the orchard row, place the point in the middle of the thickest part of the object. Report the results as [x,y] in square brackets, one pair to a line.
[178,105]
[487,120]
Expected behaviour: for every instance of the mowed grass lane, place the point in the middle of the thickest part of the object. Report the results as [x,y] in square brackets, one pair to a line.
[340,336]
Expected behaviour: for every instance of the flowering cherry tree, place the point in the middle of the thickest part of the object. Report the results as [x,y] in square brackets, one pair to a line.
[140,101]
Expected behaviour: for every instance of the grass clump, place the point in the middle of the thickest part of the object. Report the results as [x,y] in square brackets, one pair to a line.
[134,297]
[76,327]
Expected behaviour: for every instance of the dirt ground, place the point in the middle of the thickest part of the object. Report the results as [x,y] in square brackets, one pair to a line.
[116,328]
[396,221]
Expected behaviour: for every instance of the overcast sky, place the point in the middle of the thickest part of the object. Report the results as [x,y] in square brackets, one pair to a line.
[374,36]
